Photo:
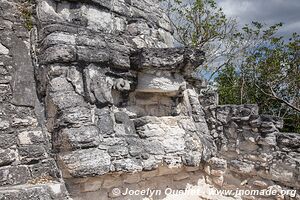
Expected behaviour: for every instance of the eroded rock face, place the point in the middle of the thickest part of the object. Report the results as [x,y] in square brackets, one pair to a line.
[99,98]
[27,167]
[115,89]
[255,150]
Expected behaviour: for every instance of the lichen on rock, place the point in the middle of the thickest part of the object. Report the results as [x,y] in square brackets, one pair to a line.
[97,97]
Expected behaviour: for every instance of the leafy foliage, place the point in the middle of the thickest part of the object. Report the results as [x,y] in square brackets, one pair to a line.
[202,24]
[251,65]
[269,75]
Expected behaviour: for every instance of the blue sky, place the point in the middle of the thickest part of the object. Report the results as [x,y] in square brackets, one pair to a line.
[268,11]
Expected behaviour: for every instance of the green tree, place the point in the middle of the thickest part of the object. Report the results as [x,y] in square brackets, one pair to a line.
[229,86]
[269,74]
[202,24]
[252,65]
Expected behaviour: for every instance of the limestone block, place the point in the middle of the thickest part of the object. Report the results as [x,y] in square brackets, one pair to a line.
[7,156]
[76,138]
[159,82]
[31,137]
[192,158]
[138,28]
[174,143]
[269,139]
[282,173]
[75,77]
[97,86]
[118,151]
[93,54]
[288,140]
[61,101]
[76,116]
[101,20]
[166,37]
[135,150]
[128,165]
[47,191]
[59,38]
[86,162]
[14,175]
[217,163]
[104,121]
[32,153]
[58,53]
[26,121]
[46,11]
[154,147]
[122,117]
[242,167]
[98,20]
[166,58]
[45,168]
[151,163]
[3,50]
[7,140]
[4,124]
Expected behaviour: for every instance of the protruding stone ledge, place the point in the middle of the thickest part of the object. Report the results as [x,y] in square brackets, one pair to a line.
[175,59]
[164,69]
[160,81]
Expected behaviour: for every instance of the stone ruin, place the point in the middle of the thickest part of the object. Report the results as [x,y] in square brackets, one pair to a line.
[96,97]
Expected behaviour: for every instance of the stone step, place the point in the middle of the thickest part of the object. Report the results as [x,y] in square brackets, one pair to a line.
[49,191]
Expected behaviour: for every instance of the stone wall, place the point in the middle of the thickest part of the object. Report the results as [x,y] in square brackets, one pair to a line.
[96,97]
[258,155]
[115,92]
[27,167]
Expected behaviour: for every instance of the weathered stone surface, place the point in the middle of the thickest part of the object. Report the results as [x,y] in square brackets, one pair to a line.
[48,191]
[24,143]
[7,156]
[105,121]
[32,153]
[175,58]
[77,138]
[288,140]
[160,82]
[87,162]
[98,87]
[4,124]
[24,88]
[127,123]
[77,116]
[128,165]
[7,140]
[32,137]
[46,168]
[14,175]
[3,50]
[99,92]
[242,167]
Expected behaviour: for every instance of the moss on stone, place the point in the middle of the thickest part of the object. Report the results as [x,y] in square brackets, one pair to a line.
[27,13]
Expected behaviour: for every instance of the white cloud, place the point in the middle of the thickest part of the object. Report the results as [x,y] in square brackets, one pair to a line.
[268,11]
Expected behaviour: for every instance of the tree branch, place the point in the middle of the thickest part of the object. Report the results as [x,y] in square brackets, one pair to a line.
[274,96]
